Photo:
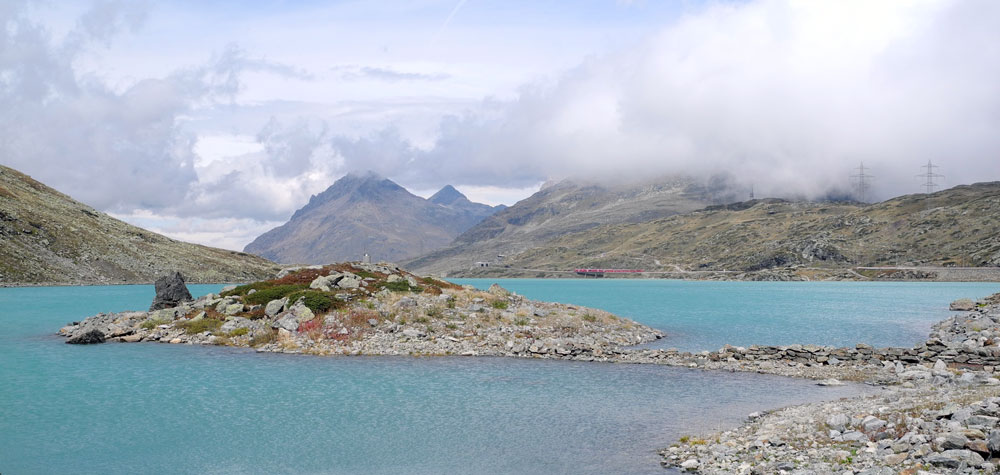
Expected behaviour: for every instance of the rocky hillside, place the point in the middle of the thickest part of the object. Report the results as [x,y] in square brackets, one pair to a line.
[368,213]
[47,237]
[568,207]
[955,227]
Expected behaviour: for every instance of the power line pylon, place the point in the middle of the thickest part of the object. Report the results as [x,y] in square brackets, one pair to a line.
[929,177]
[862,184]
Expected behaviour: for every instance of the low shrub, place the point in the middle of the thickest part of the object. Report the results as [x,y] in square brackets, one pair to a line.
[431,290]
[589,318]
[521,321]
[499,304]
[193,327]
[358,318]
[262,297]
[315,300]
[311,325]
[440,283]
[239,332]
[397,286]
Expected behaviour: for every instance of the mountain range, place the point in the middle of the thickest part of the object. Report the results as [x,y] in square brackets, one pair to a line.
[954,227]
[48,237]
[368,214]
[663,225]
[566,208]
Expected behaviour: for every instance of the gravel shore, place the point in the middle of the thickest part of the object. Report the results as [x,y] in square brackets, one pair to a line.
[937,412]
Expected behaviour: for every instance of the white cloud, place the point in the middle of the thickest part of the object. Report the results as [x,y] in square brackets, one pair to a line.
[226,233]
[785,95]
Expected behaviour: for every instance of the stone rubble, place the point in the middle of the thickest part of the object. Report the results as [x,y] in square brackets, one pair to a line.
[937,410]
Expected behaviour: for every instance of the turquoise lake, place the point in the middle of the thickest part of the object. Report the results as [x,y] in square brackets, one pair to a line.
[154,408]
[699,315]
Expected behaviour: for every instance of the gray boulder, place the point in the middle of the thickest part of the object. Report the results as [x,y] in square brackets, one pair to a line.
[326,282]
[233,309]
[301,312]
[993,442]
[962,305]
[350,281]
[495,289]
[955,459]
[170,291]
[413,333]
[838,421]
[406,302]
[953,441]
[275,307]
[288,322]
[233,323]
[87,338]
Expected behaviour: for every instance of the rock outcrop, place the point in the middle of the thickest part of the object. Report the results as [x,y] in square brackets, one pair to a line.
[88,337]
[170,292]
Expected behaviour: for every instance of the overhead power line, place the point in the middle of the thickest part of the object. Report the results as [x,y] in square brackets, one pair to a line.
[929,177]
[862,182]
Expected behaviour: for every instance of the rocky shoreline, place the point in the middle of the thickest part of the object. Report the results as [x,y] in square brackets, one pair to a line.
[937,410]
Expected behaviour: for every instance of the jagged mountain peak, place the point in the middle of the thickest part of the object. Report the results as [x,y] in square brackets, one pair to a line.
[447,195]
[366,212]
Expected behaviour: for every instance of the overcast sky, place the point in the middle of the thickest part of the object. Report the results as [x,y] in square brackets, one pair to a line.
[214,121]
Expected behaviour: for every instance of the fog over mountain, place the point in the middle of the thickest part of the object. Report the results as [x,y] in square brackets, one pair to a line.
[171,116]
[788,96]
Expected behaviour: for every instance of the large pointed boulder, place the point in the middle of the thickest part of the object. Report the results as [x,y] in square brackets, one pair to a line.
[170,291]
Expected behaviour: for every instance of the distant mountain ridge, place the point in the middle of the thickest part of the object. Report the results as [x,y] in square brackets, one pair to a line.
[568,207]
[367,213]
[46,237]
[959,226]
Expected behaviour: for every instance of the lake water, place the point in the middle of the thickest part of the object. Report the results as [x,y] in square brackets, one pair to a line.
[699,315]
[126,408]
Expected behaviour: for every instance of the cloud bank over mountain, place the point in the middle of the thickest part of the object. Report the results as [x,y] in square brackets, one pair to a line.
[786,96]
[215,137]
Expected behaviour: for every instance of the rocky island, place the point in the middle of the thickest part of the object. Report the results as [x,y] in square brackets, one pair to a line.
[369,309]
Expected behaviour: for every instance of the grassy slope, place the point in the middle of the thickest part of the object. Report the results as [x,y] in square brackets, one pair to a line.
[47,237]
